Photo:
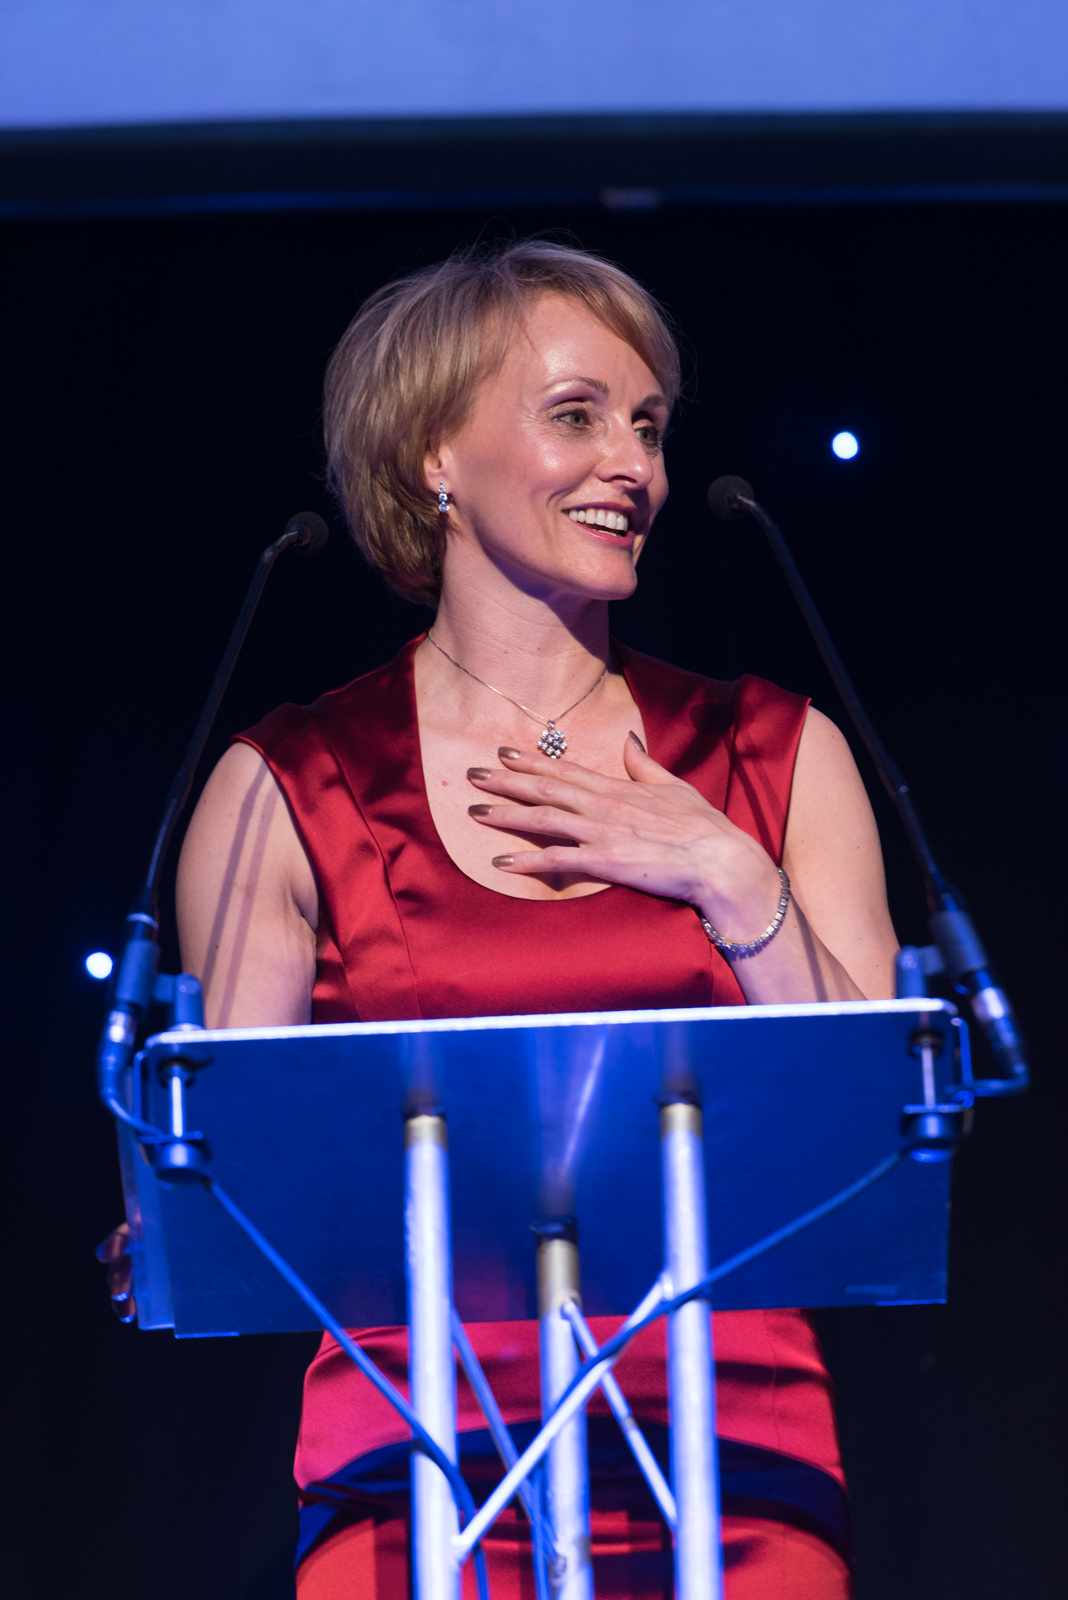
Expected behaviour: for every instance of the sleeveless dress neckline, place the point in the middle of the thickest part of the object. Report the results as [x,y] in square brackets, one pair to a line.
[559,900]
[404,933]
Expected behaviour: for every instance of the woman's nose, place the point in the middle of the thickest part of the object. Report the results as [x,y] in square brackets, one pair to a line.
[625,456]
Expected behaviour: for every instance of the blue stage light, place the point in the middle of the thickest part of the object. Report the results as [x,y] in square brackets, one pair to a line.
[845,446]
[99,964]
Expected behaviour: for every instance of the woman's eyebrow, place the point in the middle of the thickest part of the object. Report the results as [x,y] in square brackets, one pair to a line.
[650,400]
[591,383]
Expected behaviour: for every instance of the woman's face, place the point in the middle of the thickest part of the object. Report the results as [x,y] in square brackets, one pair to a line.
[558,471]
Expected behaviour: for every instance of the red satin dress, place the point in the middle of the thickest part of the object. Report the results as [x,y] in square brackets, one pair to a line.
[404,933]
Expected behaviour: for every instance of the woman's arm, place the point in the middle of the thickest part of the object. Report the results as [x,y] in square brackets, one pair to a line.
[837,941]
[247,900]
[834,860]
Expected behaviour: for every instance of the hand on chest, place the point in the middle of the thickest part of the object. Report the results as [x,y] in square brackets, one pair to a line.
[447,755]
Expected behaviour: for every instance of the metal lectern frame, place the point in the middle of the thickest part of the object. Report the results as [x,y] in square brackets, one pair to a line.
[926,1126]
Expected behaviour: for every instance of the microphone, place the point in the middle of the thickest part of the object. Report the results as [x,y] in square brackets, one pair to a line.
[966,961]
[726,494]
[310,530]
[138,982]
[957,947]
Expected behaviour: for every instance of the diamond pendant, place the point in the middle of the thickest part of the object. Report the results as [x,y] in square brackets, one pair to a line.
[552,742]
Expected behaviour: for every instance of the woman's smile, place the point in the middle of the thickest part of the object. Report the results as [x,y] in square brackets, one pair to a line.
[613,521]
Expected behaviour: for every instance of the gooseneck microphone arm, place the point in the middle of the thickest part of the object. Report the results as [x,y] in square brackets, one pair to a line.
[138,982]
[957,948]
[306,531]
[729,497]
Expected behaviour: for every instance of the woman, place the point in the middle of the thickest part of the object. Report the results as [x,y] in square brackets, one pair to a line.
[519,815]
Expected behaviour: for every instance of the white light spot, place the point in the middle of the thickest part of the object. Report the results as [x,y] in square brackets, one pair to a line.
[99,964]
[845,446]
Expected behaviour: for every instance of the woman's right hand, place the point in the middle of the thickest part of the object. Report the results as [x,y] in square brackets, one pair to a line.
[114,1252]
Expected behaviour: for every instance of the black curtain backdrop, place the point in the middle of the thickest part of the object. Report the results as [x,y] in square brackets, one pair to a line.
[161,394]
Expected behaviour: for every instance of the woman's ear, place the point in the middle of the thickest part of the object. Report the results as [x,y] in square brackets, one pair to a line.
[436,469]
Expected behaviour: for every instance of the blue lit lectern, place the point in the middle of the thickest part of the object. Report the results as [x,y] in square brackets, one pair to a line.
[662,1140]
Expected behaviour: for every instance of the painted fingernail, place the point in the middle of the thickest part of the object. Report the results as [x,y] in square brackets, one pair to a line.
[506,753]
[479,811]
[479,774]
[503,861]
[638,742]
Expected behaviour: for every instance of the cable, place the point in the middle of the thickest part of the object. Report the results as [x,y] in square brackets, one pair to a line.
[423,1439]
[632,1433]
[529,1491]
[614,1347]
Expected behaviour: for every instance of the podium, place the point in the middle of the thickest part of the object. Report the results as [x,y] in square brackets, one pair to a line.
[409,1170]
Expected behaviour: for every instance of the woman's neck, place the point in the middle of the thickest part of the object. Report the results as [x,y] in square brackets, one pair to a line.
[535,651]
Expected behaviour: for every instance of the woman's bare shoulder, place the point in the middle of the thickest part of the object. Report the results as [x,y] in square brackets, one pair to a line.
[247,898]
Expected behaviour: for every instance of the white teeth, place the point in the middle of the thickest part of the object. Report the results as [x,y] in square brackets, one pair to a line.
[615,521]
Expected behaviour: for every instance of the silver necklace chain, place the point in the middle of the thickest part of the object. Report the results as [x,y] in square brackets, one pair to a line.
[553,742]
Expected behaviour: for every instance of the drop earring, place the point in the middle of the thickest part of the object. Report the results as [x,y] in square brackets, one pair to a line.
[443,501]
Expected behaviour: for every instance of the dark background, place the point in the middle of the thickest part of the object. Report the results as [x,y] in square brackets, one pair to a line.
[161,392]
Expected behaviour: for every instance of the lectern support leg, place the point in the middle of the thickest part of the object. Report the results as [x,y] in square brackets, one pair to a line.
[432,1371]
[691,1375]
[567,1466]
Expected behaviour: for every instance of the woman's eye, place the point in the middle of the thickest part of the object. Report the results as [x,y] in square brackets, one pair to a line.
[650,435]
[575,417]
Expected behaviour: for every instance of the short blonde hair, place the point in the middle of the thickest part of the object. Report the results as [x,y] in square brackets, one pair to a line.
[404,375]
